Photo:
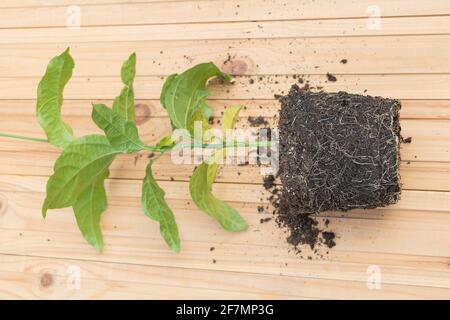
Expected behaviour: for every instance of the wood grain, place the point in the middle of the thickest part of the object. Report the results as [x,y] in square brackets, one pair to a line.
[149,282]
[165,12]
[398,86]
[268,46]
[250,57]
[411,109]
[237,30]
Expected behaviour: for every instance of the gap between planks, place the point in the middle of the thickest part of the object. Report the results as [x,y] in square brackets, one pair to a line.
[171,12]
[146,109]
[426,176]
[366,55]
[399,268]
[235,30]
[397,86]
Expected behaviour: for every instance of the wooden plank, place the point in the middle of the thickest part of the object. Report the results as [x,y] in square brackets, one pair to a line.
[212,11]
[133,238]
[411,109]
[414,175]
[413,266]
[265,46]
[231,30]
[411,200]
[38,278]
[42,278]
[431,138]
[50,3]
[365,55]
[411,87]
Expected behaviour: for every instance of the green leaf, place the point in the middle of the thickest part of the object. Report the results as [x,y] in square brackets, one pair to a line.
[230,116]
[183,94]
[155,207]
[77,168]
[213,166]
[201,193]
[50,99]
[123,105]
[122,134]
[200,185]
[166,143]
[88,207]
[198,116]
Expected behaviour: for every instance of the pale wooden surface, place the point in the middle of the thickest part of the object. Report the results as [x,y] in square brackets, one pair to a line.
[408,59]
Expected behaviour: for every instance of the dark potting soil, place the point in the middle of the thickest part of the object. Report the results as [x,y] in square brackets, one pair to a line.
[338,151]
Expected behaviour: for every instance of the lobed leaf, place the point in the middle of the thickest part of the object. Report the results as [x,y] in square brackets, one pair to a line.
[50,99]
[77,168]
[182,95]
[155,207]
[88,207]
[121,134]
[123,104]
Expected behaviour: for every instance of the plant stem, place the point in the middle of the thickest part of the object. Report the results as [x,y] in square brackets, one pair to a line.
[14,136]
[152,149]
[155,149]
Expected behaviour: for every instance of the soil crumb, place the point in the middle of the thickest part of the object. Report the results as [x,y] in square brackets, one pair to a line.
[338,151]
[257,121]
[264,220]
[331,77]
[269,182]
[344,61]
[407,140]
[329,239]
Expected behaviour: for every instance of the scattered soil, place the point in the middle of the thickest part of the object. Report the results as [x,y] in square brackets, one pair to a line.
[269,182]
[338,152]
[257,121]
[331,77]
[329,238]
[344,61]
[264,220]
[407,140]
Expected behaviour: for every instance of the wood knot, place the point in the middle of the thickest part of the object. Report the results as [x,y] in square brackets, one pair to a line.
[235,67]
[46,280]
[142,112]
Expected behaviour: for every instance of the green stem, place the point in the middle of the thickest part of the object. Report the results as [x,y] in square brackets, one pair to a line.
[155,149]
[151,148]
[232,145]
[14,136]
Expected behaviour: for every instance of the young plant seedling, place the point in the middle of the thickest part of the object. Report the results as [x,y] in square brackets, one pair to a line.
[78,180]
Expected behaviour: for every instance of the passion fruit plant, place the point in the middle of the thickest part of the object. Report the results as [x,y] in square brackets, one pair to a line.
[78,180]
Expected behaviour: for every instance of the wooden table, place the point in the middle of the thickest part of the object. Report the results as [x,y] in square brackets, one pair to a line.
[405,55]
